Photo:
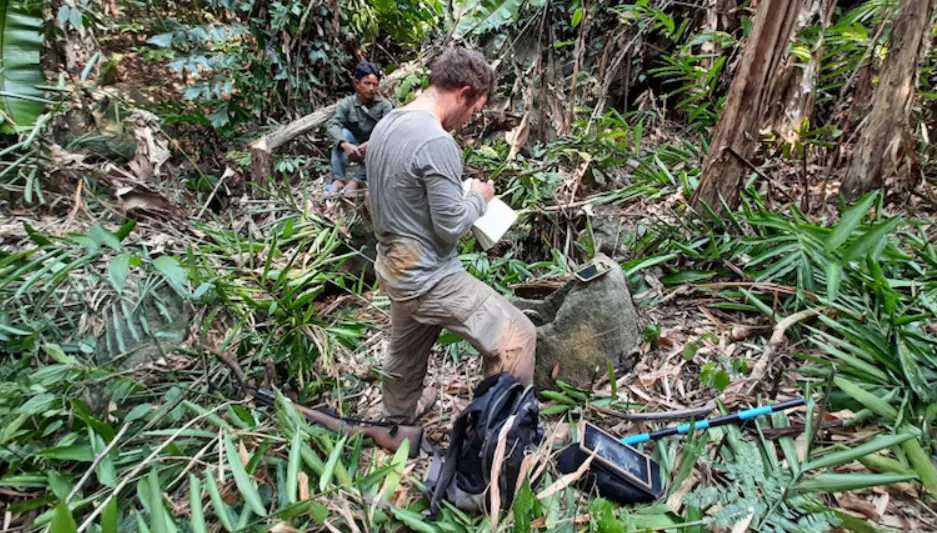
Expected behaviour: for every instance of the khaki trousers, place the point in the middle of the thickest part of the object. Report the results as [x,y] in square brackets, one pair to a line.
[475,312]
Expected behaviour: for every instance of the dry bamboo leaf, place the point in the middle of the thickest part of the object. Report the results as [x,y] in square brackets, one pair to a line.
[857,505]
[881,503]
[567,480]
[675,501]
[517,137]
[242,453]
[496,472]
[528,461]
[303,486]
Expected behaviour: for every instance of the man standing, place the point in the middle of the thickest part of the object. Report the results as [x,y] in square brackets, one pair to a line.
[419,213]
[351,127]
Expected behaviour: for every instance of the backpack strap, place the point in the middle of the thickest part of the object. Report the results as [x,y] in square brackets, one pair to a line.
[446,473]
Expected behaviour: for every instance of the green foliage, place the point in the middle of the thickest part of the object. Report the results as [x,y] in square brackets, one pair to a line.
[483,16]
[407,23]
[134,298]
[21,40]
[245,65]
[847,46]
[778,496]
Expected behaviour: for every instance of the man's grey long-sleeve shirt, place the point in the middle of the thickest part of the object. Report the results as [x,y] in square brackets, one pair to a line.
[417,204]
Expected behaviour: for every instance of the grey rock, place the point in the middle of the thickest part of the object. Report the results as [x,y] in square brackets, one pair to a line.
[611,234]
[583,326]
[141,332]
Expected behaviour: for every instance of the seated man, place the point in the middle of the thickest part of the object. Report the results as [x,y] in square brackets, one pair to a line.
[350,127]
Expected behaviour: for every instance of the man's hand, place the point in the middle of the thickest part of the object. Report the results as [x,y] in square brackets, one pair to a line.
[353,151]
[486,188]
[363,149]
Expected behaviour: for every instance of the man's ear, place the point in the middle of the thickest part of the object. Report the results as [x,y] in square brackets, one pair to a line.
[463,95]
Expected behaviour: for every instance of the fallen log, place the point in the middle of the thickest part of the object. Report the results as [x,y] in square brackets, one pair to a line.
[262,149]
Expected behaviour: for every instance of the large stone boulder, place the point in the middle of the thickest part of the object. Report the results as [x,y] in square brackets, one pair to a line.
[583,326]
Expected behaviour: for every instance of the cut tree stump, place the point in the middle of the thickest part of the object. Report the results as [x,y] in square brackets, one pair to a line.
[749,96]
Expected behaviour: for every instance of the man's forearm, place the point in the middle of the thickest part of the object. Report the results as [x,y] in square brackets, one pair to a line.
[335,132]
[453,214]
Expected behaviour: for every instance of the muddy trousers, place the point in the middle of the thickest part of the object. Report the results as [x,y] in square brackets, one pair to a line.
[504,336]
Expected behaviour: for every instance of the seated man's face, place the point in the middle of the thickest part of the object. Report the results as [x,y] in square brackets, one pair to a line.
[367,87]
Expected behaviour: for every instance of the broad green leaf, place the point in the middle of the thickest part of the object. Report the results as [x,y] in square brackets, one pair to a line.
[788,446]
[850,220]
[118,270]
[21,42]
[871,240]
[109,517]
[555,410]
[523,508]
[217,503]
[59,485]
[63,521]
[845,456]
[577,17]
[603,515]
[74,452]
[195,505]
[162,40]
[330,465]
[316,510]
[923,465]
[174,274]
[631,269]
[100,235]
[398,463]
[880,463]
[157,511]
[867,399]
[413,520]
[846,482]
[37,404]
[35,236]
[834,277]
[141,523]
[292,472]
[105,471]
[241,478]
[912,372]
[125,230]
[55,352]
[138,412]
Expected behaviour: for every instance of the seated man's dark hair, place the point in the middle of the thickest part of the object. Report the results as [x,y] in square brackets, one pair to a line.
[460,67]
[364,68]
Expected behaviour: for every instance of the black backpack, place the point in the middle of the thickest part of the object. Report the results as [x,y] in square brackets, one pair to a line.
[463,478]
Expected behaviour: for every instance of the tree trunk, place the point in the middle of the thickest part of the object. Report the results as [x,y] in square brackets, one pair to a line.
[885,138]
[737,134]
[794,94]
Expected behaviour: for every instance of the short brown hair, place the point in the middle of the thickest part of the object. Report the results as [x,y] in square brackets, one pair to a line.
[459,67]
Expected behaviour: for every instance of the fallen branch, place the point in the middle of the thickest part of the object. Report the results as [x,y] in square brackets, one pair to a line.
[97,461]
[775,343]
[665,415]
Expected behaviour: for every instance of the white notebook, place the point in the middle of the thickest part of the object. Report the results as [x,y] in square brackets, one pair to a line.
[497,220]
